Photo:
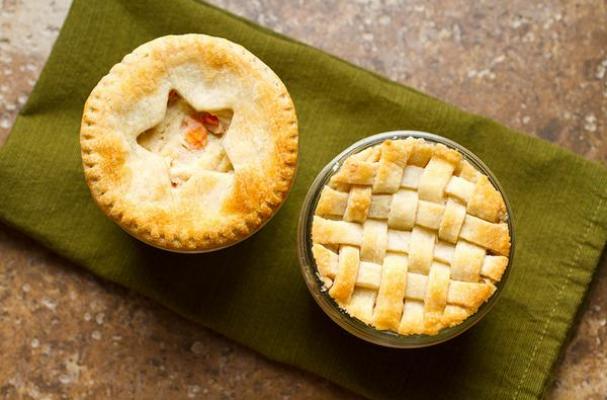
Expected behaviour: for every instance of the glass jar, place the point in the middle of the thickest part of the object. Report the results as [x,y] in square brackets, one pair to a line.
[315,284]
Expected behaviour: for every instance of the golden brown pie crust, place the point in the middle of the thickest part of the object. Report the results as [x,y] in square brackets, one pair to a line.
[409,237]
[213,209]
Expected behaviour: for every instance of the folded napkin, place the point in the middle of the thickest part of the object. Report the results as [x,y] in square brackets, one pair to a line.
[253,292]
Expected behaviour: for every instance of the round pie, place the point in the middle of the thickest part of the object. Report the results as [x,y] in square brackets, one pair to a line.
[409,237]
[189,143]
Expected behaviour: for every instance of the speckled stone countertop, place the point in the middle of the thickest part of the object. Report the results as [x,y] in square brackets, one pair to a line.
[541,68]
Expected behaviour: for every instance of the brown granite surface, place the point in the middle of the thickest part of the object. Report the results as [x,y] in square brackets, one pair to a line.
[538,67]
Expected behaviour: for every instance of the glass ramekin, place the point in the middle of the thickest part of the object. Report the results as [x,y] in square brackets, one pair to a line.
[326,302]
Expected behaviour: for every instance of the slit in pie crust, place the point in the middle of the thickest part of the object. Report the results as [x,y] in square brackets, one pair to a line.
[189,140]
[189,143]
[410,237]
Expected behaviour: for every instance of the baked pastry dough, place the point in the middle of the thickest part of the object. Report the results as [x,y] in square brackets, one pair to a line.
[409,237]
[189,143]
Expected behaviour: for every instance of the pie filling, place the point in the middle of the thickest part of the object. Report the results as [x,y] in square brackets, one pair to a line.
[410,237]
[189,140]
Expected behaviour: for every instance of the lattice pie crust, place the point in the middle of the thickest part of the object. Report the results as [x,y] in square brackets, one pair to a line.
[410,237]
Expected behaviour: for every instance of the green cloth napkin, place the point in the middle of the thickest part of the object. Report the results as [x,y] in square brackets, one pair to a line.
[253,292]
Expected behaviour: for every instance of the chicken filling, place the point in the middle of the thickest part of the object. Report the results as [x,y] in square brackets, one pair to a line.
[189,140]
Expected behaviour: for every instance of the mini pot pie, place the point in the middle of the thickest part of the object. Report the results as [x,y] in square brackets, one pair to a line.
[409,237]
[189,143]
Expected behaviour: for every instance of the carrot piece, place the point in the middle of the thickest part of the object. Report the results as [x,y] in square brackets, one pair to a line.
[197,137]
